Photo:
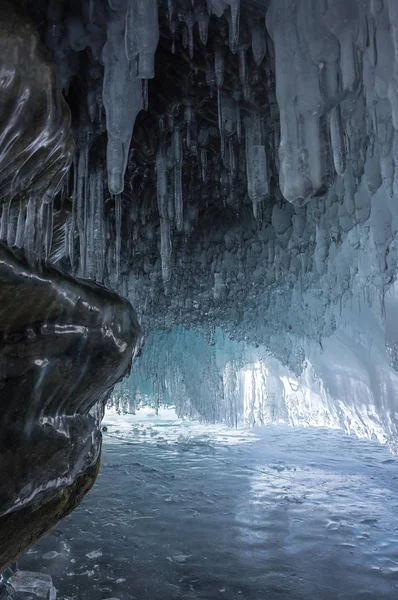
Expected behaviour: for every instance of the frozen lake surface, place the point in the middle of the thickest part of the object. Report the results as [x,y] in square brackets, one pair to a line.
[187,511]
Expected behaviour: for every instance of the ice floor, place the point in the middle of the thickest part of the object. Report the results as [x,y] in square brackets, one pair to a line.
[185,511]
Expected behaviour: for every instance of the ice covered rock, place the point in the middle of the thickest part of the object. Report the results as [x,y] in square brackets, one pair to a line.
[64,343]
[35,137]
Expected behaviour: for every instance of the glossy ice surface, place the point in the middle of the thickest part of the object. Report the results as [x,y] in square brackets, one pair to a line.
[182,510]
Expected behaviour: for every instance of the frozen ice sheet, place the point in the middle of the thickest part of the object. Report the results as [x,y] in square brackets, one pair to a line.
[181,511]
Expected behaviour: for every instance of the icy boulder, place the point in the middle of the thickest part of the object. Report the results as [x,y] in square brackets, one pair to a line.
[25,585]
[64,344]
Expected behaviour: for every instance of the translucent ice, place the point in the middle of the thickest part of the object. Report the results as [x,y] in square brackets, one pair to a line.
[38,584]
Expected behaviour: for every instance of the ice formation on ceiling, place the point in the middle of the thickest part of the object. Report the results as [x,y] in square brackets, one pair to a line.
[236,167]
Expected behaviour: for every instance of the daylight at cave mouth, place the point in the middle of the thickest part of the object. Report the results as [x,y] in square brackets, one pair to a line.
[198,299]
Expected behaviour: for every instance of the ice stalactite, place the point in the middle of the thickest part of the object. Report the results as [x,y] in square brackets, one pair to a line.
[165,240]
[243,75]
[142,30]
[259,46]
[129,56]
[46,227]
[122,95]
[320,74]
[178,199]
[256,163]
[202,18]
[99,225]
[188,118]
[219,73]
[235,18]
[337,140]
[82,205]
[118,226]
[90,270]
[203,139]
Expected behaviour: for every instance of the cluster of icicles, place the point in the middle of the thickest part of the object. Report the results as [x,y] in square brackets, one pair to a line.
[313,79]
[123,36]
[128,55]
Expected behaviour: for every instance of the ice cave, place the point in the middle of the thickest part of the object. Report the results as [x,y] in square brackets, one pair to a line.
[199,299]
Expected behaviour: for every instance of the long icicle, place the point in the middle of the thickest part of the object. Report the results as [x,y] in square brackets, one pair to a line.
[118,219]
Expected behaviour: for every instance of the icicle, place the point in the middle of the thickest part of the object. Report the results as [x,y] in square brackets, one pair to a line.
[203,161]
[12,224]
[146,27]
[46,226]
[173,29]
[256,163]
[100,226]
[118,222]
[228,115]
[222,147]
[92,104]
[145,95]
[233,163]
[66,239]
[71,239]
[217,7]
[203,24]
[219,66]
[235,18]
[219,76]
[19,236]
[30,234]
[4,221]
[185,38]
[219,112]
[165,238]
[238,122]
[178,200]
[170,208]
[82,170]
[76,32]
[90,229]
[243,72]
[189,22]
[188,121]
[130,39]
[258,44]
[122,98]
[337,138]
[161,181]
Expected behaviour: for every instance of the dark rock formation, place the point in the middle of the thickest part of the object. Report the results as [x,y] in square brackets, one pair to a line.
[64,343]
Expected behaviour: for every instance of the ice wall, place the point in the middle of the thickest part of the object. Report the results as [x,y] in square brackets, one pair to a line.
[350,381]
[236,167]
